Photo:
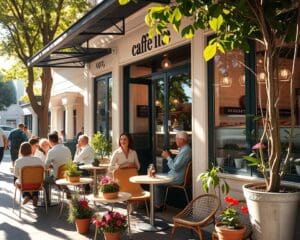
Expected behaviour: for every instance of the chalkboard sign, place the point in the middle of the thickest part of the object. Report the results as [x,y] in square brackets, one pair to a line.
[142,111]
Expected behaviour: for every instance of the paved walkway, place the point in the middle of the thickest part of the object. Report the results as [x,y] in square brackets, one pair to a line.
[36,225]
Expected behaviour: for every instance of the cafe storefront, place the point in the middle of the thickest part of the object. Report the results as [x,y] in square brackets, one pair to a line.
[152,90]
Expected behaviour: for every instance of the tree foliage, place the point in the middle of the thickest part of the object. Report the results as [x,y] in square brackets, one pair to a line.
[271,23]
[26,27]
[7,94]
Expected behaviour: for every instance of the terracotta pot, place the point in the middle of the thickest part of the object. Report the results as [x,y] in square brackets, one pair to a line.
[112,236]
[82,225]
[74,179]
[225,233]
[111,195]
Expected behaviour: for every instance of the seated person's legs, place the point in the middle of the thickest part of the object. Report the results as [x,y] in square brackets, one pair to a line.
[48,181]
[160,191]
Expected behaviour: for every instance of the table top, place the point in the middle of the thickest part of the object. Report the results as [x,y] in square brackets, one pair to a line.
[145,179]
[122,197]
[82,181]
[91,167]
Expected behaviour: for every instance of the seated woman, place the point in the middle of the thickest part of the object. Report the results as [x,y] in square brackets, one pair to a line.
[43,149]
[124,156]
[26,159]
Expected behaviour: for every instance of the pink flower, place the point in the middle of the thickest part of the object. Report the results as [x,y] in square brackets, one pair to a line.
[117,215]
[108,217]
[119,223]
[258,146]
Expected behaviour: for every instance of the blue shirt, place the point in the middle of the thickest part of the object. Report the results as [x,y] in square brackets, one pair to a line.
[178,165]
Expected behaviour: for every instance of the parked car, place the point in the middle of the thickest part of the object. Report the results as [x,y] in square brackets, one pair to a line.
[6,129]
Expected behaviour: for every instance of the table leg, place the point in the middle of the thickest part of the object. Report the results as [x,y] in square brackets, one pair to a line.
[155,225]
[95,183]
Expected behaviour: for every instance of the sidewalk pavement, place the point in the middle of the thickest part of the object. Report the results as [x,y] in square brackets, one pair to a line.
[36,225]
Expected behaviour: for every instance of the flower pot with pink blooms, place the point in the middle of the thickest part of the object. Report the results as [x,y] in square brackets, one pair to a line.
[109,188]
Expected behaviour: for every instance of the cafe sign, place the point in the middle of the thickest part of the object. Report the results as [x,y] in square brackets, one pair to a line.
[146,44]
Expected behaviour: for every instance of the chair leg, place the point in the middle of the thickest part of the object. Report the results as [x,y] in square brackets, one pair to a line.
[45,200]
[186,196]
[166,196]
[199,232]
[95,235]
[128,219]
[172,232]
[147,210]
[14,199]
[20,206]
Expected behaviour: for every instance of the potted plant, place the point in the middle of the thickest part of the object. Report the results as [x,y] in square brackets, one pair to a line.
[111,224]
[109,188]
[72,174]
[229,226]
[235,151]
[101,146]
[80,213]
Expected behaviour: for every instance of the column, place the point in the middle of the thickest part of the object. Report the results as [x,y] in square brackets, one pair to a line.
[69,120]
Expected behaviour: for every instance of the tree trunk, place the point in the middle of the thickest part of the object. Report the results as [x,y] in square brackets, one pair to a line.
[40,106]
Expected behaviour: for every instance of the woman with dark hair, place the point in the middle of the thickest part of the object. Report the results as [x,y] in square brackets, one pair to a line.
[26,159]
[124,156]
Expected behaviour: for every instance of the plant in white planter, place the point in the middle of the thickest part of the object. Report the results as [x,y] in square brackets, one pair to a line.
[274,25]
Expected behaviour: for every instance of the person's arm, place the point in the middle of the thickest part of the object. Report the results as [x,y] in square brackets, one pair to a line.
[16,170]
[48,160]
[180,160]
[5,141]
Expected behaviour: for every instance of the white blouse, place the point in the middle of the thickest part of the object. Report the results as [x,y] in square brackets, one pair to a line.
[118,158]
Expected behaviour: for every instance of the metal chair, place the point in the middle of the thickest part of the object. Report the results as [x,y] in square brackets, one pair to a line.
[187,183]
[198,213]
[244,219]
[31,180]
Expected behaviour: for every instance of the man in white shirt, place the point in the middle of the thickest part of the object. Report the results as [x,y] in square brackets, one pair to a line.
[57,156]
[84,155]
[84,152]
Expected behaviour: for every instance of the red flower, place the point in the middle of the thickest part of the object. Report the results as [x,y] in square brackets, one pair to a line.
[232,201]
[119,222]
[244,209]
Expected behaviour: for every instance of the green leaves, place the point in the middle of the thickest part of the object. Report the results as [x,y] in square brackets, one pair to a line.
[215,23]
[124,2]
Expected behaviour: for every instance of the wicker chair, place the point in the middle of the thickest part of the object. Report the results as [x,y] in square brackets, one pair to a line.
[186,184]
[198,213]
[31,180]
[244,219]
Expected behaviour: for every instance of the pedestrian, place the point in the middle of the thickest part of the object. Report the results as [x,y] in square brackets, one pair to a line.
[3,143]
[16,137]
[27,132]
[79,133]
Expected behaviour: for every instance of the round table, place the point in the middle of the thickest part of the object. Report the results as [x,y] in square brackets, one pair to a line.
[94,168]
[154,226]
[65,182]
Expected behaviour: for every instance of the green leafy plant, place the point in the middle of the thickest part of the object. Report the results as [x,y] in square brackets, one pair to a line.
[79,209]
[108,185]
[71,169]
[210,180]
[101,146]
[230,215]
[110,222]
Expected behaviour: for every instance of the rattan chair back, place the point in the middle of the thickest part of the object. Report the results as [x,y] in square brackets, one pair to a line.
[198,213]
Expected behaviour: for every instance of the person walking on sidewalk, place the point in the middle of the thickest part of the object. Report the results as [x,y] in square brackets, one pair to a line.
[16,137]
[3,144]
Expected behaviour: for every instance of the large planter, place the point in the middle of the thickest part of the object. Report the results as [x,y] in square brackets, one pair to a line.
[238,162]
[298,169]
[272,215]
[225,233]
[111,195]
[112,236]
[82,225]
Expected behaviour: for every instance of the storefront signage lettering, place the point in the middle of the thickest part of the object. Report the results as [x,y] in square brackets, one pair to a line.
[146,44]
[100,65]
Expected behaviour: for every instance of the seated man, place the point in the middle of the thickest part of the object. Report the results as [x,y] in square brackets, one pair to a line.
[177,167]
[84,152]
[84,155]
[57,156]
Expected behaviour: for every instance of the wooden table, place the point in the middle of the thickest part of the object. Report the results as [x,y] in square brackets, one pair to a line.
[154,226]
[94,168]
[65,182]
[122,197]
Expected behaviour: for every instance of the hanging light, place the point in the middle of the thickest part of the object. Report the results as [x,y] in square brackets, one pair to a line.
[242,80]
[261,78]
[284,74]
[226,81]
[166,63]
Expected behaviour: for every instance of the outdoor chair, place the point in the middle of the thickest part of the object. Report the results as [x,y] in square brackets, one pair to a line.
[187,183]
[31,180]
[198,213]
[135,189]
[244,219]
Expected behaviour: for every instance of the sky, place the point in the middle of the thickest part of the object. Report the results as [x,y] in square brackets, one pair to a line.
[5,63]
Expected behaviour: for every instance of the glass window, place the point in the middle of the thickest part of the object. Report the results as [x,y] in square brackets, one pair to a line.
[103,105]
